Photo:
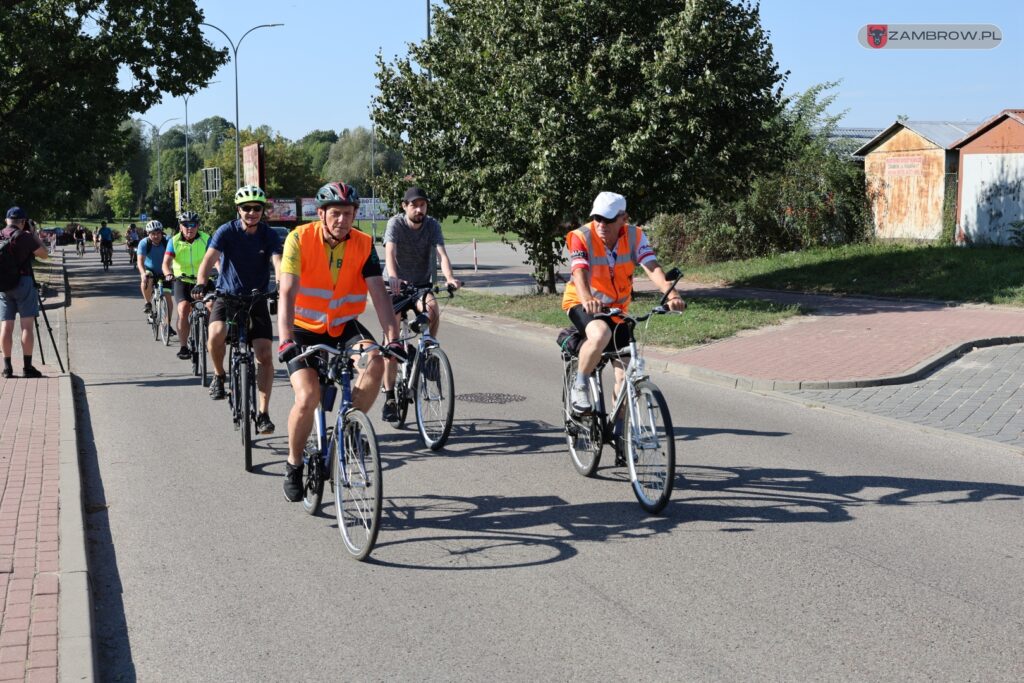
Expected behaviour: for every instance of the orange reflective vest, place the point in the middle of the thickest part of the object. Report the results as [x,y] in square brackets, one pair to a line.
[322,306]
[611,285]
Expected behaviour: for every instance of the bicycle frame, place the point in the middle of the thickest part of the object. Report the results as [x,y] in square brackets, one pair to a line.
[633,373]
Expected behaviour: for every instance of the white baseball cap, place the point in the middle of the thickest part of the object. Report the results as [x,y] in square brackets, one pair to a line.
[608,205]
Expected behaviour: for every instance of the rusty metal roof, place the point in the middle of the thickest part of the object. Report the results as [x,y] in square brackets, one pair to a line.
[1015,114]
[941,133]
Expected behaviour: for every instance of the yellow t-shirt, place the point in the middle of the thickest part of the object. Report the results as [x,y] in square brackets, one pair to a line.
[291,261]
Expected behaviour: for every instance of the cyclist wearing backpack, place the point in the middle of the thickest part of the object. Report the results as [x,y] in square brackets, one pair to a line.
[105,238]
[150,264]
[18,295]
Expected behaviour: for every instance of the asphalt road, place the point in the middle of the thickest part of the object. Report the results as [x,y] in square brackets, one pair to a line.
[801,543]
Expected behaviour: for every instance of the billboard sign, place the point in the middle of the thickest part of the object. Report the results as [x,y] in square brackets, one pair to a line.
[252,164]
[309,209]
[282,210]
[373,210]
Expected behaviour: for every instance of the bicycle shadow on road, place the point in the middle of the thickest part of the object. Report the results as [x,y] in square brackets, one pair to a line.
[774,495]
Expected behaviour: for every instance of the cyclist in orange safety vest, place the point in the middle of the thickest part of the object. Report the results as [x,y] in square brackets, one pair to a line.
[328,269]
[603,255]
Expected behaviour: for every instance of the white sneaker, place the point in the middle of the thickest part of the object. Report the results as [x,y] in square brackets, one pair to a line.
[580,398]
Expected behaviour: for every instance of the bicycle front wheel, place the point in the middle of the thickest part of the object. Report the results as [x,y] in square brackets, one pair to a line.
[358,484]
[435,398]
[203,374]
[165,323]
[156,319]
[582,432]
[650,448]
[244,407]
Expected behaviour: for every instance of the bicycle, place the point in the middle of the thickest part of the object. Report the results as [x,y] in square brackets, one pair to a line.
[645,441]
[425,378]
[80,247]
[106,255]
[352,462]
[242,367]
[130,246]
[199,325]
[160,318]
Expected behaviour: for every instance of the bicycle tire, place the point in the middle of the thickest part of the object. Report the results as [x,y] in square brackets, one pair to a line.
[155,321]
[403,394]
[313,479]
[434,398]
[193,345]
[245,426]
[204,376]
[165,323]
[650,448]
[358,483]
[583,434]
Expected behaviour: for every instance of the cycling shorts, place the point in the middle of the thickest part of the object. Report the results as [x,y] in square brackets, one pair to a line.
[620,332]
[260,326]
[350,334]
[182,290]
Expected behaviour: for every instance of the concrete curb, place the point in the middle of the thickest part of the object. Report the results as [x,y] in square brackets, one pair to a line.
[75,649]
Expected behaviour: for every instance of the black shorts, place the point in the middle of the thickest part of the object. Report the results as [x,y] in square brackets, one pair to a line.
[350,334]
[182,291]
[259,318]
[621,335]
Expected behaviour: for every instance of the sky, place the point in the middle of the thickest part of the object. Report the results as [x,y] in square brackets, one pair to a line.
[317,70]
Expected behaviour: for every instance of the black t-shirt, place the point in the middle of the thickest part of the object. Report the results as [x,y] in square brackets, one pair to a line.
[24,246]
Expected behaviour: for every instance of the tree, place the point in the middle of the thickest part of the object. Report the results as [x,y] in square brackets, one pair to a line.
[519,114]
[62,65]
[349,159]
[120,195]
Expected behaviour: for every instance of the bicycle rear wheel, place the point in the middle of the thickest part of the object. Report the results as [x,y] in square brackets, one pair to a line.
[582,432]
[313,481]
[244,407]
[650,448]
[358,484]
[435,398]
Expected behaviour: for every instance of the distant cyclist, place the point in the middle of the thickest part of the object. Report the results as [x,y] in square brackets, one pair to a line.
[150,264]
[78,233]
[413,243]
[131,238]
[603,255]
[185,251]
[245,249]
[328,270]
[104,237]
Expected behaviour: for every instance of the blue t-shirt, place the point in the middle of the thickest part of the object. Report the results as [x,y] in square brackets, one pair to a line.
[153,255]
[244,259]
[106,234]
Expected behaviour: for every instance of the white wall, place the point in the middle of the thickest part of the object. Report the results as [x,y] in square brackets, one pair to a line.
[992,196]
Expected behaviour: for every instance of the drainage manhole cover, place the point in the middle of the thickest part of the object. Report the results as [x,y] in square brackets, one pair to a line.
[490,398]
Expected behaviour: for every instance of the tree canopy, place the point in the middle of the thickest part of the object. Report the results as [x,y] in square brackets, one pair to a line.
[517,115]
[72,73]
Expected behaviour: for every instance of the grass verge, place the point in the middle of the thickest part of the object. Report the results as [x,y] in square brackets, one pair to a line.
[978,274]
[705,320]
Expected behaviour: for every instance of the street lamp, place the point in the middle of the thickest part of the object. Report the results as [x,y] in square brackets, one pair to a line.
[234,59]
[156,136]
[187,193]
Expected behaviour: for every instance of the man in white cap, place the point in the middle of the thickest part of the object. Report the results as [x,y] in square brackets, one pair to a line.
[603,254]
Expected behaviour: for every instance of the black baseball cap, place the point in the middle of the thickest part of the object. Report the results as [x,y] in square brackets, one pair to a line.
[414,193]
[16,212]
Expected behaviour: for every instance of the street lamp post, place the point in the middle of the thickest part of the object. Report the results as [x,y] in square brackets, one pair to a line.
[234,59]
[156,136]
[188,194]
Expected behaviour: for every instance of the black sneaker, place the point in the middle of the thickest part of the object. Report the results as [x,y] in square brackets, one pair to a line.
[8,373]
[148,309]
[172,333]
[32,373]
[389,413]
[264,425]
[217,392]
[292,482]
[184,353]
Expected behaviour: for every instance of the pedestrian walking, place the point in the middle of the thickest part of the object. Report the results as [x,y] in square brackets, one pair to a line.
[18,297]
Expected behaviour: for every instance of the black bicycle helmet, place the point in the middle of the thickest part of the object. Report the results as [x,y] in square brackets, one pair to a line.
[337,193]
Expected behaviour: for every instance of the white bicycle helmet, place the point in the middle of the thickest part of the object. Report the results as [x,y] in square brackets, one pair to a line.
[153,226]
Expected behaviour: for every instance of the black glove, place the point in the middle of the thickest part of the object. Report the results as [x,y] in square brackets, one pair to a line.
[198,291]
[287,351]
[396,349]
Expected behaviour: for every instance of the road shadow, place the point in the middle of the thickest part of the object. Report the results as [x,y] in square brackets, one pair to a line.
[502,532]
[111,642]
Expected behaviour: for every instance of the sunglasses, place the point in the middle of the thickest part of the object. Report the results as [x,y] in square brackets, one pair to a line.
[190,225]
[251,208]
[602,219]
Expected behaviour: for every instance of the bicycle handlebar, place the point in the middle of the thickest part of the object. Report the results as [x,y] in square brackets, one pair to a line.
[348,350]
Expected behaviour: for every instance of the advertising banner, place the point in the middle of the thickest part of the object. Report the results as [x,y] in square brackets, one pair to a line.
[252,164]
[373,210]
[309,209]
[282,210]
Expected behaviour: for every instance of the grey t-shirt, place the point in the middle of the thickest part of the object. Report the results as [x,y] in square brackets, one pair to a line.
[415,250]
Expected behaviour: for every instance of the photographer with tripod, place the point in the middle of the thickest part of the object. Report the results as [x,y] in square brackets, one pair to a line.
[18,295]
